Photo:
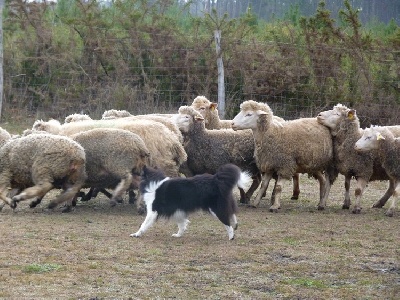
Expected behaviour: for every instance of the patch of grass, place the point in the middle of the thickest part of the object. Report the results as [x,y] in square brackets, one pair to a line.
[306,282]
[41,268]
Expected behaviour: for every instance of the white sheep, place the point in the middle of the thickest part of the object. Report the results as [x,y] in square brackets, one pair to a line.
[38,163]
[5,136]
[383,140]
[344,126]
[284,149]
[115,114]
[210,114]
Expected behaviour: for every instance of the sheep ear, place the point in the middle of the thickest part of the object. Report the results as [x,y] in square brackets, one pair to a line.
[351,114]
[213,106]
[380,137]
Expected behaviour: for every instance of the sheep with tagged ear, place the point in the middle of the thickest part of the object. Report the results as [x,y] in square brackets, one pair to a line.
[298,146]
[207,150]
[76,118]
[383,140]
[209,112]
[38,163]
[166,150]
[344,126]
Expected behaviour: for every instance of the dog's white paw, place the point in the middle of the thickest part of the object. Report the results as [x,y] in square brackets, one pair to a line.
[137,234]
[177,235]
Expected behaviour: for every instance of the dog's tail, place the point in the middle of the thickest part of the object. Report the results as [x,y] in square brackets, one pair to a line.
[228,176]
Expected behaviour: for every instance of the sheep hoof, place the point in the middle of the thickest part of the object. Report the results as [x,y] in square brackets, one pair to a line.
[113,203]
[321,207]
[389,213]
[273,210]
[51,205]
[377,205]
[356,210]
[67,209]
[13,204]
[120,200]
[295,198]
[345,206]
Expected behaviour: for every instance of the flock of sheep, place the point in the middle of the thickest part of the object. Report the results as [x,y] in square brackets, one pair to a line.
[110,153]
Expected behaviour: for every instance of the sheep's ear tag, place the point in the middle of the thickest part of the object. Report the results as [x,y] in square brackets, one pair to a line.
[350,114]
[213,106]
[379,137]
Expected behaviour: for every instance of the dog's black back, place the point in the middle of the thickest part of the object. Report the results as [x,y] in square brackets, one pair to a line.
[190,194]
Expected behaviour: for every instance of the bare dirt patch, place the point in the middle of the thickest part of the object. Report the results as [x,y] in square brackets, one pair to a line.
[298,253]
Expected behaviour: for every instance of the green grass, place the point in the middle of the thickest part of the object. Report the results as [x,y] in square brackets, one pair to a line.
[41,268]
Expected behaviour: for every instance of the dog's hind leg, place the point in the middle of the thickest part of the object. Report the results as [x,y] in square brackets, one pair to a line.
[151,217]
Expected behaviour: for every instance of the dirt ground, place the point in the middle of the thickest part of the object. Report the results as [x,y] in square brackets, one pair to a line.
[297,253]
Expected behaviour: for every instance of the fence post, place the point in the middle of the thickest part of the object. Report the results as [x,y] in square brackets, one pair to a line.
[221,75]
[1,55]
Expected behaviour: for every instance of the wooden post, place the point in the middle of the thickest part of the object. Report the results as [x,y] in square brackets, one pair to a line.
[221,76]
[1,56]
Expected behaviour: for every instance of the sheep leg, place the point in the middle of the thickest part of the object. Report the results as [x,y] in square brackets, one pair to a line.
[254,185]
[122,187]
[35,202]
[278,191]
[266,178]
[347,202]
[3,196]
[386,196]
[390,211]
[324,189]
[38,190]
[296,186]
[66,195]
[361,184]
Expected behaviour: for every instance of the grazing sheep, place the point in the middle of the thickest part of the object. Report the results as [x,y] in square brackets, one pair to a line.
[209,112]
[76,118]
[166,151]
[284,149]
[115,114]
[344,126]
[38,163]
[383,140]
[207,150]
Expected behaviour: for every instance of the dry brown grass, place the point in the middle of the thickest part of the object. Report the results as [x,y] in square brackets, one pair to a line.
[298,253]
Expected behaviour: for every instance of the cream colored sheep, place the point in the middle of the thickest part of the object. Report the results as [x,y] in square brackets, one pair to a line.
[38,163]
[76,118]
[388,149]
[166,151]
[299,146]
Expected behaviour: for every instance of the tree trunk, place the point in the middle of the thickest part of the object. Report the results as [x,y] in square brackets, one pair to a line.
[221,79]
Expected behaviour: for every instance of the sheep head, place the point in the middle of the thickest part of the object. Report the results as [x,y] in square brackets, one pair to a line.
[51,126]
[340,117]
[371,138]
[253,115]
[186,117]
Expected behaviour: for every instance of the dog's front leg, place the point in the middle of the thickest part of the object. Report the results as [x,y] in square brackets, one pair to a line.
[151,217]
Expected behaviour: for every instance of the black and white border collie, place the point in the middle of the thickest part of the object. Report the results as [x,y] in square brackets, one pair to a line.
[177,197]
